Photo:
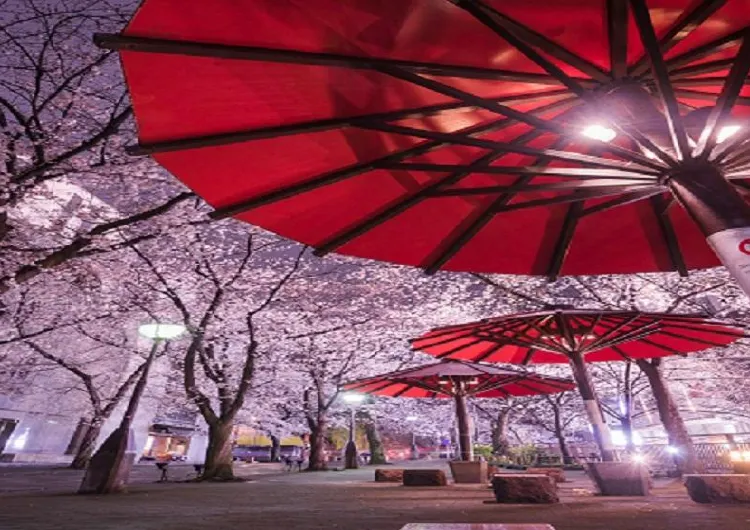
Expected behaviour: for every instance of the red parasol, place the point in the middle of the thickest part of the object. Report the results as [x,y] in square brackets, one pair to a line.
[458,380]
[577,337]
[444,133]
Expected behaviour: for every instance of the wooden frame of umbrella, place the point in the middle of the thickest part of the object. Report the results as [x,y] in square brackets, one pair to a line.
[576,337]
[683,158]
[459,380]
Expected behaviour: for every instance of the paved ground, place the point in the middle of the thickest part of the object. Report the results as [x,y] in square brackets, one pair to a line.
[334,500]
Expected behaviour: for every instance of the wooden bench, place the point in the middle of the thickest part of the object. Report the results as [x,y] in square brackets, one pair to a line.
[424,477]
[718,489]
[523,488]
[389,475]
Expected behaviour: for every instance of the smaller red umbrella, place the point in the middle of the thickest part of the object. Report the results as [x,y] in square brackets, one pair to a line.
[459,380]
[577,337]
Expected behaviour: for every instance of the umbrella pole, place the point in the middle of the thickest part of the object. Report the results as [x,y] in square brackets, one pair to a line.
[593,410]
[464,436]
[721,213]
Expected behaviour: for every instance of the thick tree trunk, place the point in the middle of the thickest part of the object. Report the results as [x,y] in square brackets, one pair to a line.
[86,445]
[275,448]
[669,413]
[317,460]
[500,442]
[560,435]
[464,431]
[375,442]
[218,463]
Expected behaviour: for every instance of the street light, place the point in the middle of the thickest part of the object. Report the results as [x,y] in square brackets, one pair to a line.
[109,468]
[350,453]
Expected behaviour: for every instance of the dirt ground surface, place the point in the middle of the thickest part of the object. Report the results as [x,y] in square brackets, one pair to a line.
[40,498]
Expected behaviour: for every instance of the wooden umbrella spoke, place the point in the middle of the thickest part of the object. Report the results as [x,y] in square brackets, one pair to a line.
[617,32]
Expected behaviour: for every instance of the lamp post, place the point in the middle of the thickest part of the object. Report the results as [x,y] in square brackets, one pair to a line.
[110,466]
[350,453]
[414,449]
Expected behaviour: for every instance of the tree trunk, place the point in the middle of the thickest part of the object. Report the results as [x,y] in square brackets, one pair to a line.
[500,442]
[377,450]
[317,459]
[218,463]
[669,413]
[560,435]
[275,448]
[86,445]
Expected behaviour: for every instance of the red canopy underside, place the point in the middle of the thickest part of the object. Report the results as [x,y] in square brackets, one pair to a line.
[178,97]
[535,339]
[439,380]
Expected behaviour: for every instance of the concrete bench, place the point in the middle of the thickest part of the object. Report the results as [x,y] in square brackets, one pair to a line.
[389,475]
[523,488]
[557,473]
[424,477]
[718,489]
[473,526]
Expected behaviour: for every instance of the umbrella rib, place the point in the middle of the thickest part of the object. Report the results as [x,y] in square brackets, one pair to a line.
[576,185]
[338,175]
[699,81]
[680,30]
[564,239]
[665,348]
[404,203]
[262,54]
[580,173]
[705,50]
[474,224]
[623,324]
[661,75]
[567,156]
[708,96]
[621,353]
[701,327]
[264,133]
[678,74]
[668,233]
[622,201]
[617,31]
[692,339]
[724,103]
[518,35]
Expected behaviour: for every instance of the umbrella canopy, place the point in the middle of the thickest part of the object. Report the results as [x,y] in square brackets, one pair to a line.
[576,337]
[443,134]
[448,378]
[459,379]
[552,336]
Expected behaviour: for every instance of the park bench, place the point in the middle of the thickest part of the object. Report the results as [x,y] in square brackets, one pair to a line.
[523,488]
[424,477]
[718,489]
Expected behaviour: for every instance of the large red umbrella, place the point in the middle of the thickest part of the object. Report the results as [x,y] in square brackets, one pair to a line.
[457,134]
[577,337]
[459,380]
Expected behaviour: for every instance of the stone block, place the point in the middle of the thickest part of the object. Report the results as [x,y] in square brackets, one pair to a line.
[389,475]
[557,473]
[718,489]
[469,472]
[424,477]
[517,488]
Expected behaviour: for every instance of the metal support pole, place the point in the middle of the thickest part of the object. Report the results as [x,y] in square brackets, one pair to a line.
[109,468]
[350,453]
[602,435]
[721,213]
[464,434]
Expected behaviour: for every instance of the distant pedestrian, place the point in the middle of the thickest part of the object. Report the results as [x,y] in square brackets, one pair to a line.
[303,455]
